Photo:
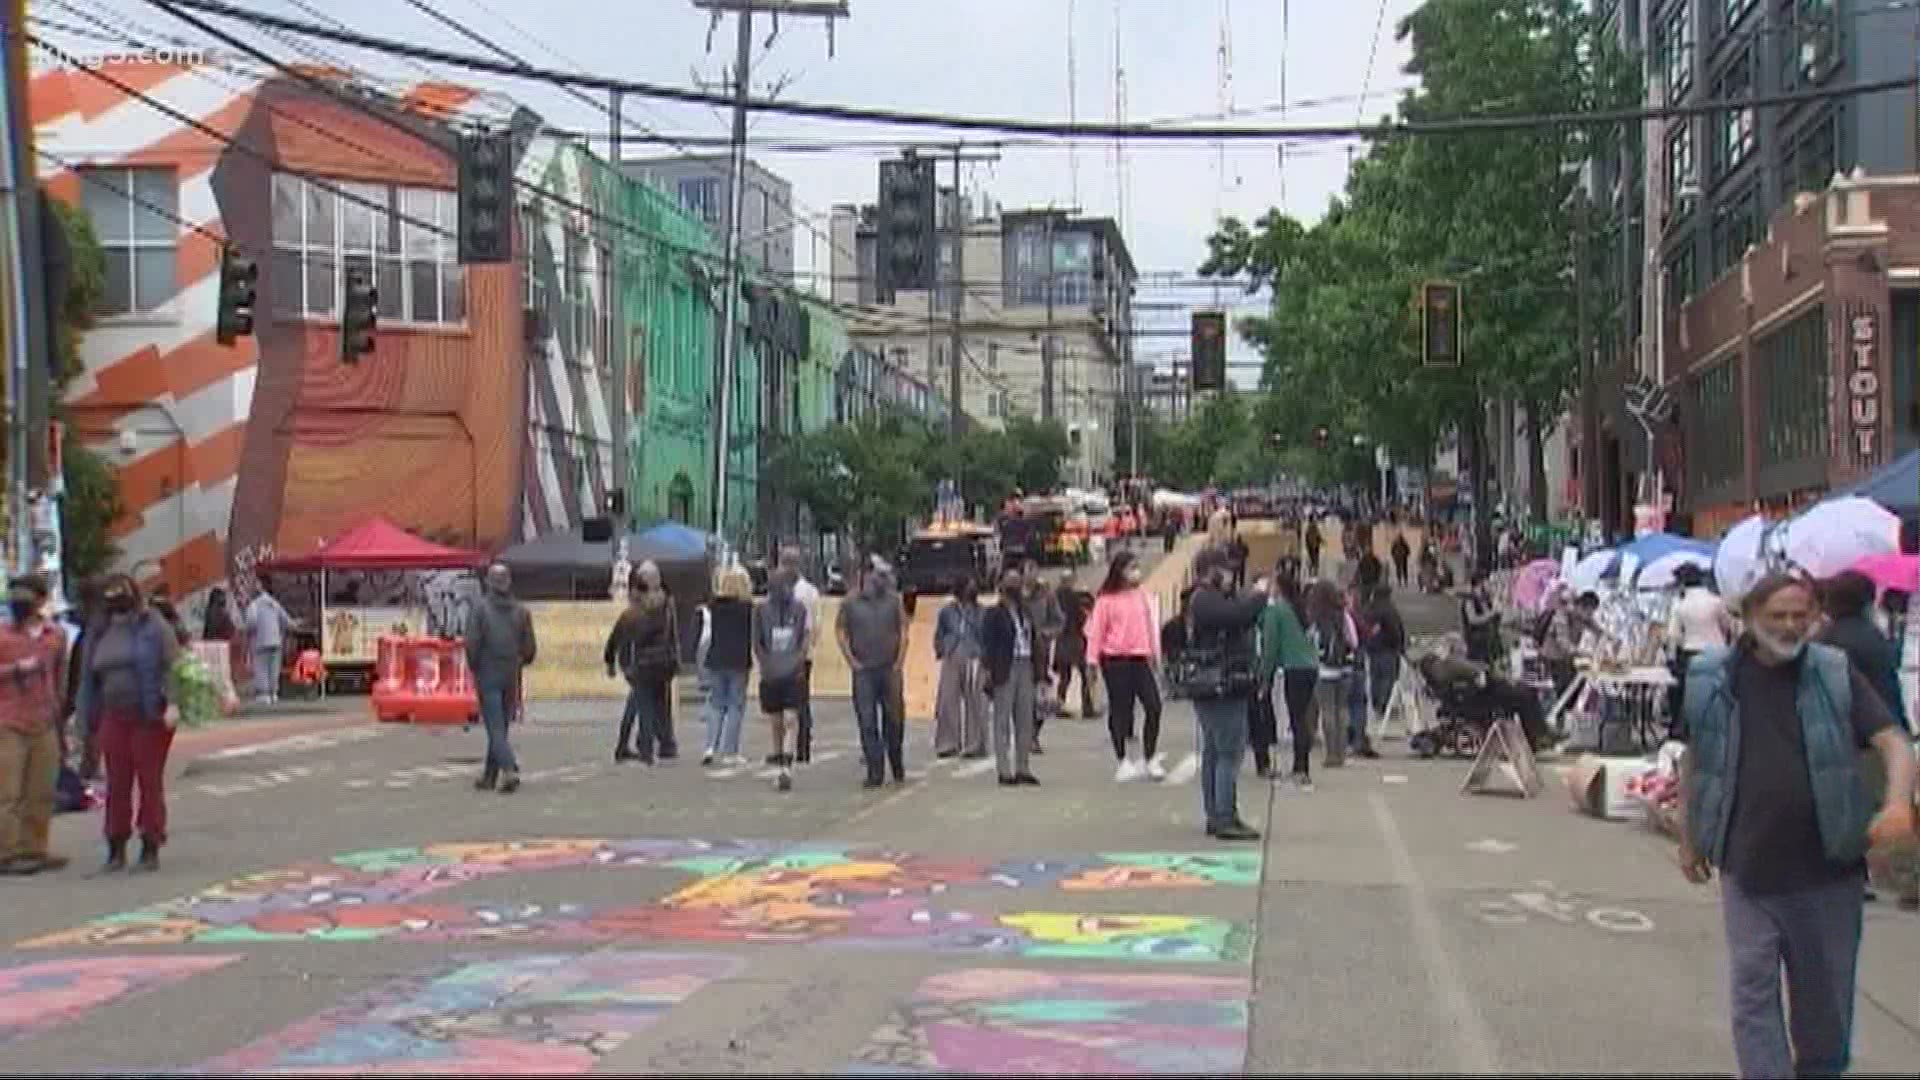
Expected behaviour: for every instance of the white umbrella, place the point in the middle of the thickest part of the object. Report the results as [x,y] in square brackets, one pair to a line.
[1741,559]
[1588,572]
[1659,573]
[1835,534]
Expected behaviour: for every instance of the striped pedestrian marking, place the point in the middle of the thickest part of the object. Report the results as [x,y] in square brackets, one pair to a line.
[974,768]
[822,758]
[1185,771]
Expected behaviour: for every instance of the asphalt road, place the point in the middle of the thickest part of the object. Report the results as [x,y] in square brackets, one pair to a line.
[356,906]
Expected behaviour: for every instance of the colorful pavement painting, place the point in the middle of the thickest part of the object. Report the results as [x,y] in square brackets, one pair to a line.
[40,996]
[521,1016]
[743,892]
[1011,1022]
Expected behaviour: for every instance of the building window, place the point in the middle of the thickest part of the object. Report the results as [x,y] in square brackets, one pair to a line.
[404,235]
[1792,368]
[1680,172]
[1736,224]
[1029,270]
[603,312]
[1813,156]
[1732,11]
[1812,43]
[576,291]
[993,357]
[701,196]
[1717,450]
[134,213]
[1734,131]
[1073,268]
[1682,279]
[533,226]
[1675,49]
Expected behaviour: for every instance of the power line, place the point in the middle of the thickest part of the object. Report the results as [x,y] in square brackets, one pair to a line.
[1114,131]
[1373,54]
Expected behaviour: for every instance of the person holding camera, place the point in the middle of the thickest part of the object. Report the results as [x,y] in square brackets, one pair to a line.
[1220,676]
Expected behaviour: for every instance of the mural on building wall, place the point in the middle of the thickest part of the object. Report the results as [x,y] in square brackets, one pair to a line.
[743,892]
[537,1015]
[1006,1022]
[42,995]
[226,453]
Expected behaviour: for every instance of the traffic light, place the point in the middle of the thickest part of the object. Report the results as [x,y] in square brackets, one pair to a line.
[359,317]
[1440,324]
[904,253]
[1209,350]
[485,214]
[239,279]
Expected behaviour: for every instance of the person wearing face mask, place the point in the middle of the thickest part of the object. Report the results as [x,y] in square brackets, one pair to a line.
[1775,799]
[1123,641]
[871,629]
[1223,625]
[500,643]
[648,580]
[124,669]
[960,707]
[782,641]
[32,651]
[1010,656]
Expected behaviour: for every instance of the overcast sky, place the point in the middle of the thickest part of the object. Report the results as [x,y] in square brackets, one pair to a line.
[984,57]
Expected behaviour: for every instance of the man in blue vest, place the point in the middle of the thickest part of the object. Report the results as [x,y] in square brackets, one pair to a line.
[1775,799]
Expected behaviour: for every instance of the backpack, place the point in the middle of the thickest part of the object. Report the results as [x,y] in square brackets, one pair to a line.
[1330,641]
[1543,626]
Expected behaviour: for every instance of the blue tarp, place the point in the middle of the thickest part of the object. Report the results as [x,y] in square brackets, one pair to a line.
[1896,487]
[1656,545]
[669,542]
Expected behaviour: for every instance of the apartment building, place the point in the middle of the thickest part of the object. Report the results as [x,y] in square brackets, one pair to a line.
[1031,286]
[1763,269]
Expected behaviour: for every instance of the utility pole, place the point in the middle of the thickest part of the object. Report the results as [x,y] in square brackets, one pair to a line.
[1046,343]
[617,341]
[1590,472]
[956,392]
[736,206]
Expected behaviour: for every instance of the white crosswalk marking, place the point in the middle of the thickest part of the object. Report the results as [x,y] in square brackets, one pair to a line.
[974,768]
[1185,771]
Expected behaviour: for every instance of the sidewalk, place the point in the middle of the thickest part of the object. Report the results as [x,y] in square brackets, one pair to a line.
[262,723]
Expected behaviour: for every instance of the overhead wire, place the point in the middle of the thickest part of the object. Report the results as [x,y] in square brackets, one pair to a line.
[1128,131]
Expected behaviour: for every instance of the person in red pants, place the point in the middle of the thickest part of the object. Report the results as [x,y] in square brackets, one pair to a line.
[123,678]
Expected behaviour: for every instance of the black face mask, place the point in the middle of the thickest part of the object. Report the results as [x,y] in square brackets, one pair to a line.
[22,610]
[119,603]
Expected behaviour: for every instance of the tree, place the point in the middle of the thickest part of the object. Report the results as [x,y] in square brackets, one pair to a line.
[1043,446]
[1492,210]
[92,501]
[867,478]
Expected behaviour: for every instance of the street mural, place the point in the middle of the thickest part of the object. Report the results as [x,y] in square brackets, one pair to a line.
[43,995]
[742,892]
[1006,1022]
[538,1015]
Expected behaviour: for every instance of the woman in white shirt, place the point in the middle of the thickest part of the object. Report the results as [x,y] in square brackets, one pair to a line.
[1699,622]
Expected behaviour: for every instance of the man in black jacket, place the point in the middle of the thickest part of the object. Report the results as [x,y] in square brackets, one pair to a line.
[1011,657]
[1223,621]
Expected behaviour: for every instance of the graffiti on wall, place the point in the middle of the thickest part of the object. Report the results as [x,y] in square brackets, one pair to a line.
[742,892]
[1018,1022]
[37,997]
[541,1015]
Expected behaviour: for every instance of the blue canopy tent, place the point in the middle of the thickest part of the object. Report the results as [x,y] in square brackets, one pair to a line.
[1896,486]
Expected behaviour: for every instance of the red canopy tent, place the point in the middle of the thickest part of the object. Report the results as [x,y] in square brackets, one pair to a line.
[377,544]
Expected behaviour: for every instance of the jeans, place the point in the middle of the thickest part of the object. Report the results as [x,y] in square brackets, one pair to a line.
[266,672]
[879,710]
[1297,685]
[1383,672]
[1330,699]
[1814,935]
[726,711]
[495,705]
[136,754]
[803,745]
[1223,741]
[643,711]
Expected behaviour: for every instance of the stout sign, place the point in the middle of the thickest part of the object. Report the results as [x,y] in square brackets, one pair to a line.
[1863,384]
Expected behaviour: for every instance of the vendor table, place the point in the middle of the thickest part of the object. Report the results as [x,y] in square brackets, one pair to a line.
[1634,697]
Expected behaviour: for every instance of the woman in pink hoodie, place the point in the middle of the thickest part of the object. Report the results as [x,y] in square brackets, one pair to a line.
[1123,641]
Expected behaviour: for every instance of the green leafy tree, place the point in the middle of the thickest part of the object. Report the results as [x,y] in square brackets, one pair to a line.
[92,501]
[867,478]
[1043,447]
[1493,210]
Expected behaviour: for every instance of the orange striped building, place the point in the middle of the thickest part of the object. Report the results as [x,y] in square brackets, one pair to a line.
[227,454]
